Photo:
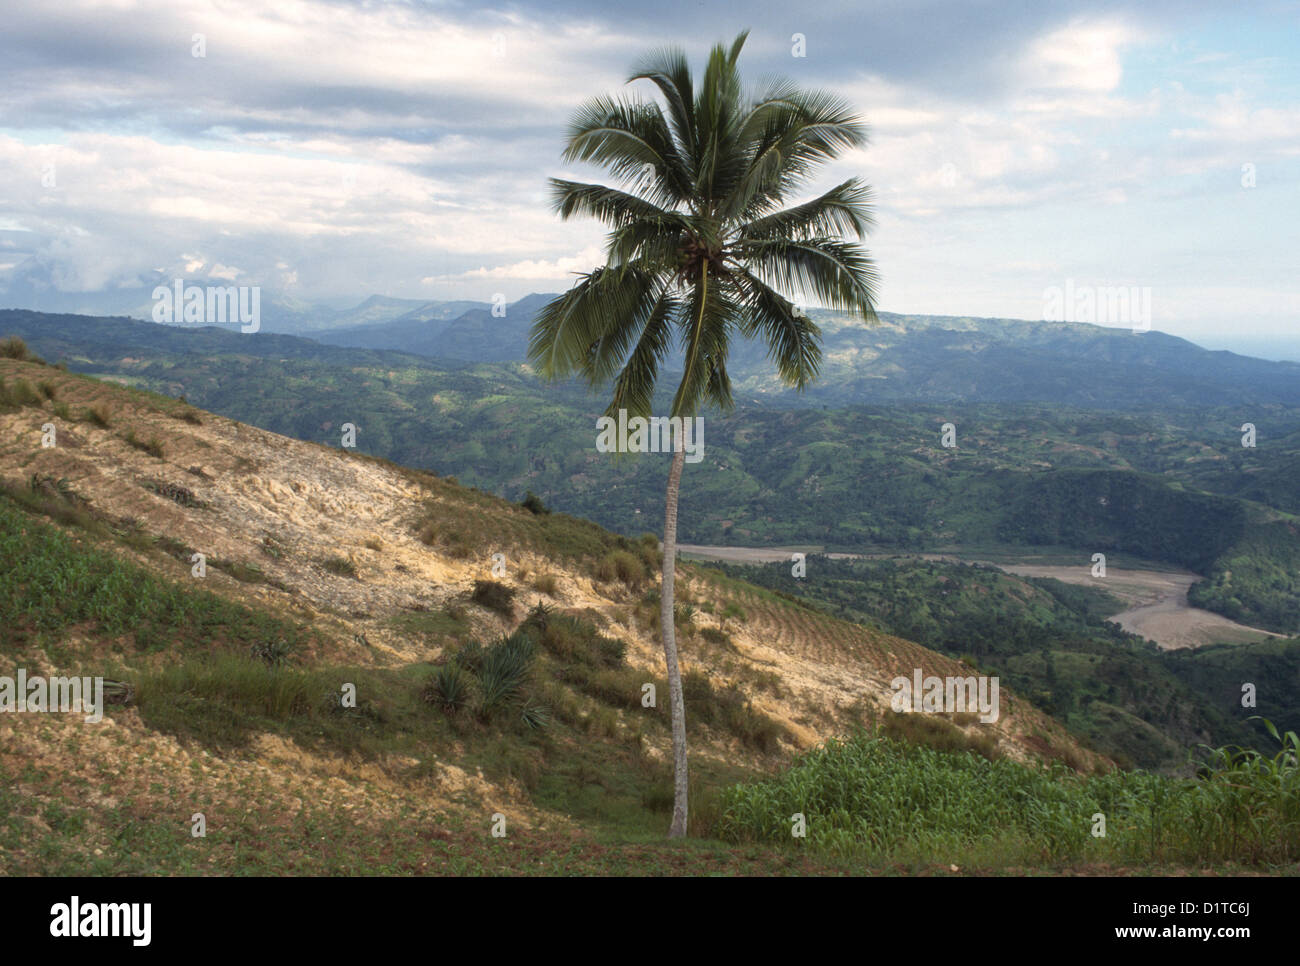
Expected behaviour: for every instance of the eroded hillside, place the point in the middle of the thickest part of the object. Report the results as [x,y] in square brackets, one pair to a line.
[377,569]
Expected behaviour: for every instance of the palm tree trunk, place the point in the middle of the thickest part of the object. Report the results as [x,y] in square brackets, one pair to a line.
[669,629]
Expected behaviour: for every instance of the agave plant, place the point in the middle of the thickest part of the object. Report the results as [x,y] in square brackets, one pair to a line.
[448,687]
[505,670]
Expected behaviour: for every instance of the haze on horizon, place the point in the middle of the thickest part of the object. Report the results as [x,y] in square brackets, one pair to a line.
[331,150]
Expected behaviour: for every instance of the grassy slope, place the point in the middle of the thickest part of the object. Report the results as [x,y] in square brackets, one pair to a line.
[234,713]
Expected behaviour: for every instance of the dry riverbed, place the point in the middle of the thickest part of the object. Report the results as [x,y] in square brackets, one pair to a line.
[1157,599]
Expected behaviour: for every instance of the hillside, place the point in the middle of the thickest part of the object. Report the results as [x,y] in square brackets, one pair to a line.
[329,568]
[1024,474]
[1053,642]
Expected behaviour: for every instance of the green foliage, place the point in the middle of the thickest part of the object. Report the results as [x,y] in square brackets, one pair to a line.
[730,710]
[1257,581]
[621,565]
[17,394]
[888,799]
[533,504]
[1121,511]
[496,597]
[934,731]
[703,246]
[274,653]
[470,656]
[448,687]
[339,566]
[504,671]
[49,583]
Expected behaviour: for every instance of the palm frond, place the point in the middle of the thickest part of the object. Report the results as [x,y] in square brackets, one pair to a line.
[614,207]
[793,340]
[844,210]
[839,274]
[624,136]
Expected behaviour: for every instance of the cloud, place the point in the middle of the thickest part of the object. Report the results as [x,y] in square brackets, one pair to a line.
[541,269]
[345,148]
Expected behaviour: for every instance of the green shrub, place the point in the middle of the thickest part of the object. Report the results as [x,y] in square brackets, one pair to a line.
[534,505]
[535,716]
[448,687]
[494,596]
[504,671]
[730,710]
[274,653]
[628,568]
[20,393]
[340,566]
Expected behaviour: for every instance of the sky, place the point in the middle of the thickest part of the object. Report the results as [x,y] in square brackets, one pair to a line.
[333,150]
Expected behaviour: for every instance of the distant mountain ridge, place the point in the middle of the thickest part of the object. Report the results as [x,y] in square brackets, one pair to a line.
[913,359]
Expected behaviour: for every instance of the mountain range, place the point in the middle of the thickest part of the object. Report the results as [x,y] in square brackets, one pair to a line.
[905,358]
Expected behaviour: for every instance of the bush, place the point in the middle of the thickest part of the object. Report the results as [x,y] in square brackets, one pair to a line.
[623,566]
[534,505]
[100,416]
[273,653]
[535,716]
[21,393]
[733,610]
[546,584]
[730,710]
[715,636]
[340,566]
[14,348]
[494,596]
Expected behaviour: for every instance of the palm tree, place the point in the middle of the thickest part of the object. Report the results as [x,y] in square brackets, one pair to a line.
[702,247]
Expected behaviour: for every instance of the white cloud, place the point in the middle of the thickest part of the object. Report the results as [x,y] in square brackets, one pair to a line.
[542,269]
